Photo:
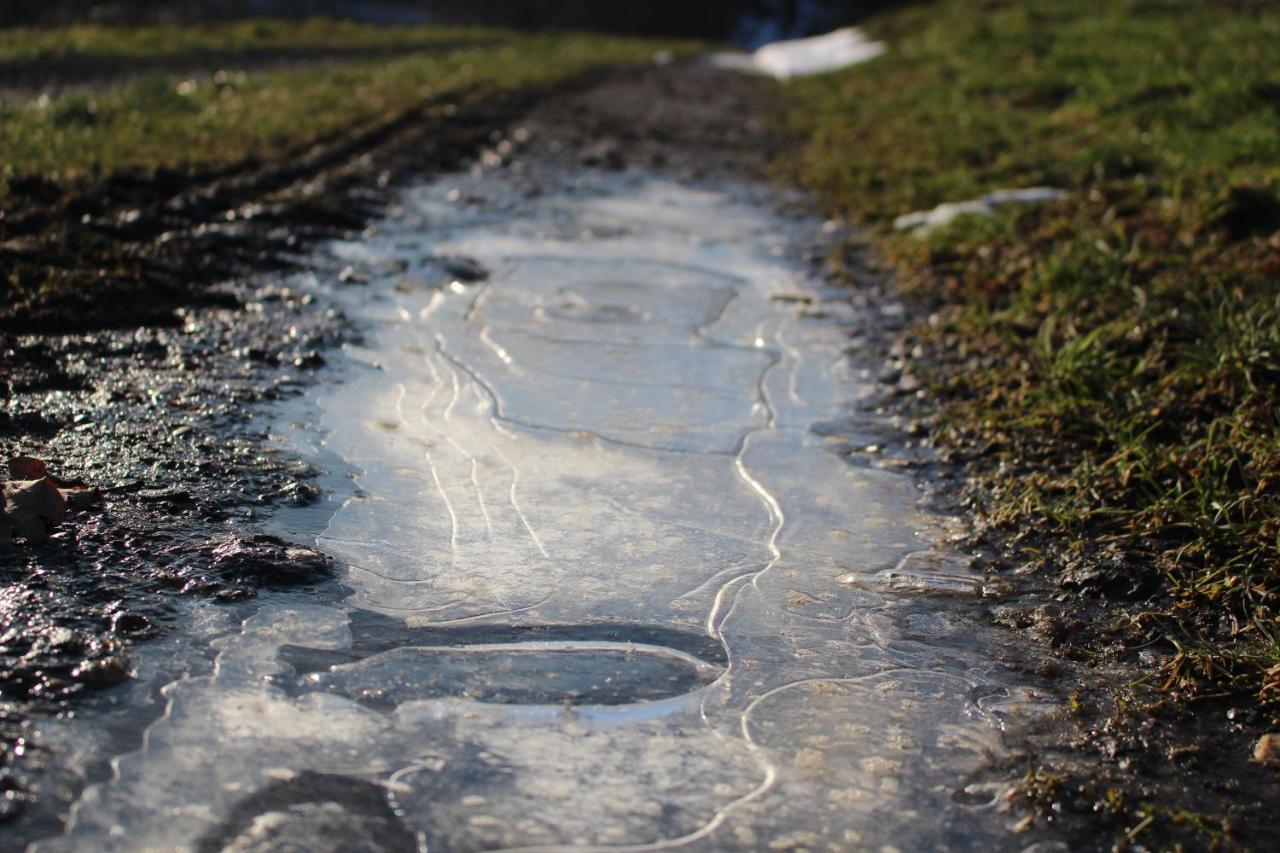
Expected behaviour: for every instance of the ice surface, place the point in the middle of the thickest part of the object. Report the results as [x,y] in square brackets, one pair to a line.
[802,57]
[607,586]
[923,221]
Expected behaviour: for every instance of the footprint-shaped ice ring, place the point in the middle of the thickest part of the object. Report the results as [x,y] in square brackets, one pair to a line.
[581,665]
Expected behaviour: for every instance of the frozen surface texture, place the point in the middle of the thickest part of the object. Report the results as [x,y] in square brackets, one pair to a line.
[607,584]
[802,57]
[921,222]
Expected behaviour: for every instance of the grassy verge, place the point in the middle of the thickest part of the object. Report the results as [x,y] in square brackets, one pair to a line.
[52,43]
[113,198]
[1110,363]
[227,116]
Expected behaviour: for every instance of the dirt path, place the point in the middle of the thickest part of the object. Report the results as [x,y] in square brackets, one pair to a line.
[159,395]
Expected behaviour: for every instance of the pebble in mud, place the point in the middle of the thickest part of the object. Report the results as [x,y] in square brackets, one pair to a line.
[1267,749]
[267,560]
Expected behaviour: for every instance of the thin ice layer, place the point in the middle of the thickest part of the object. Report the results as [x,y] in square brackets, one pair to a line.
[598,563]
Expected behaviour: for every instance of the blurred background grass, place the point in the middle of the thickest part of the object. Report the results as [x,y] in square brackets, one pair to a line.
[220,116]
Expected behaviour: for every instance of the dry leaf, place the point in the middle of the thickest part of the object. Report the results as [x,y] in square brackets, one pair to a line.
[36,500]
[30,468]
[32,507]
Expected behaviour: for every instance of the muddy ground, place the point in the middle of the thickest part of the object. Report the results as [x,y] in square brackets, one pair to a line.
[143,368]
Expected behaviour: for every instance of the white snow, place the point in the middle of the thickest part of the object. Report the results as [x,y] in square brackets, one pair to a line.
[799,57]
[924,221]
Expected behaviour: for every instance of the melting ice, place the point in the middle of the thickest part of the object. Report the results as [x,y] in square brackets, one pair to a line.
[801,57]
[600,568]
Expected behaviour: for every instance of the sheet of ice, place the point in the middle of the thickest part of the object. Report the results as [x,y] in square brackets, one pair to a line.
[924,221]
[801,57]
[601,568]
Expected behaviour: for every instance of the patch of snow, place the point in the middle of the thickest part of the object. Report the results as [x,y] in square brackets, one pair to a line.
[924,221]
[783,60]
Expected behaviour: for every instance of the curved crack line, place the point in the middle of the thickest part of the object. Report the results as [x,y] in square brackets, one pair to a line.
[325,537]
[498,414]
[435,608]
[389,579]
[436,300]
[489,614]
[797,358]
[737,572]
[723,813]
[708,343]
[774,508]
[715,630]
[481,295]
[629,383]
[701,330]
[498,350]
[474,462]
[495,416]
[623,509]
[457,392]
[515,503]
[613,260]
[448,505]
[531,646]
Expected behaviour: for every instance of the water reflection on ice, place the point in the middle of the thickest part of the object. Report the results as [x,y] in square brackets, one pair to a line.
[599,563]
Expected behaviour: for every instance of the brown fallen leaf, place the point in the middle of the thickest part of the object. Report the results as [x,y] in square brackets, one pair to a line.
[32,507]
[36,499]
[30,468]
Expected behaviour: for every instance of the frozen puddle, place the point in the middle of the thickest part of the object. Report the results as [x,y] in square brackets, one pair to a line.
[601,570]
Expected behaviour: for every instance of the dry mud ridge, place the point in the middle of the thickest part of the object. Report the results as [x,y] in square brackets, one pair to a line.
[517,482]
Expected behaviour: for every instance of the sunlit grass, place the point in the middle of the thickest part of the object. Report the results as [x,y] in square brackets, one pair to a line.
[1110,363]
[247,35]
[223,117]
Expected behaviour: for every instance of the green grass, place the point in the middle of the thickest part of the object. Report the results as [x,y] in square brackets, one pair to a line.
[1109,364]
[224,117]
[261,34]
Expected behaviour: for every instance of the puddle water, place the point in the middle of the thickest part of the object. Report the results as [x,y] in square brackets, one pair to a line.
[607,585]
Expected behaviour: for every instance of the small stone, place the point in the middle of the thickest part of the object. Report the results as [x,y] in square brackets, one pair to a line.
[267,560]
[1267,749]
[130,624]
[301,493]
[350,275]
[464,269]
[104,672]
